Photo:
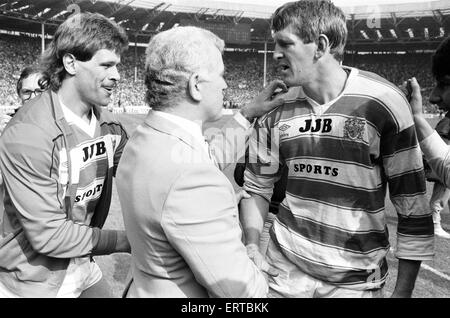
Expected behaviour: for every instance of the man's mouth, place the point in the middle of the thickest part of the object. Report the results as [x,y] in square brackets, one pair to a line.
[282,67]
[109,89]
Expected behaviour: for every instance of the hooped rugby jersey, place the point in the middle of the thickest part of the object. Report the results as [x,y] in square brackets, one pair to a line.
[341,157]
[89,164]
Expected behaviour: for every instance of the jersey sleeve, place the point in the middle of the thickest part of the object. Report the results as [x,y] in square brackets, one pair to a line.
[403,167]
[263,169]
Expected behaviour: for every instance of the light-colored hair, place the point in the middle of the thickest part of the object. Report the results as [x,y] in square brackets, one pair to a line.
[310,18]
[172,56]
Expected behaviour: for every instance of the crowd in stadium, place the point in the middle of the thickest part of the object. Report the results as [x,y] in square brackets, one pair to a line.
[243,72]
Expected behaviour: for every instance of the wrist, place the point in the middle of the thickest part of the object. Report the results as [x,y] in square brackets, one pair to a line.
[418,116]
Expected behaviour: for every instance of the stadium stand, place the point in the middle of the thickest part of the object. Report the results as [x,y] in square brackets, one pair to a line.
[244,72]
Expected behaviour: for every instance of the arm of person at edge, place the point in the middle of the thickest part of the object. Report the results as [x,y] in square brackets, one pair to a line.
[435,149]
[409,269]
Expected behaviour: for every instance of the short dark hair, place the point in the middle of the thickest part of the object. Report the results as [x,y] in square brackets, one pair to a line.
[440,62]
[30,70]
[82,35]
[308,19]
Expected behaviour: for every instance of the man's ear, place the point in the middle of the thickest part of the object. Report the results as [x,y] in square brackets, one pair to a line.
[193,87]
[323,46]
[69,63]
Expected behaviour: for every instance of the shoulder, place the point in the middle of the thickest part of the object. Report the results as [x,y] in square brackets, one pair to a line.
[110,121]
[378,90]
[377,87]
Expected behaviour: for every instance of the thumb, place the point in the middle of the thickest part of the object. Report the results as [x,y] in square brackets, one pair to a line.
[241,194]
[415,89]
[245,194]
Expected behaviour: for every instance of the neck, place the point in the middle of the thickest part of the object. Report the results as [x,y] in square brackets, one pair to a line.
[69,96]
[186,111]
[328,83]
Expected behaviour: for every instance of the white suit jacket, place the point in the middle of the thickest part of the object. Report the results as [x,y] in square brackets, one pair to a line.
[181,217]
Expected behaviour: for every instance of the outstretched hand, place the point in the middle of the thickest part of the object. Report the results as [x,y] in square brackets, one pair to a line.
[411,89]
[265,101]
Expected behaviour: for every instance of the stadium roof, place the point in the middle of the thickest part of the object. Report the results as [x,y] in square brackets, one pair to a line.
[371,27]
[252,9]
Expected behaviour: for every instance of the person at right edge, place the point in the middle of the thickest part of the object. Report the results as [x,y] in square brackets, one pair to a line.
[434,142]
[346,137]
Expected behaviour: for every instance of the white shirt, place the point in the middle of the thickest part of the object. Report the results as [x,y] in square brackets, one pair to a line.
[74,119]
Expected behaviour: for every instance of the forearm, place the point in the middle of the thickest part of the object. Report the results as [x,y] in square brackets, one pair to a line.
[110,241]
[406,277]
[252,213]
[437,153]
[423,128]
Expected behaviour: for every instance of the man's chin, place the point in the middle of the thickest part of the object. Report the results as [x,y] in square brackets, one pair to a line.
[290,82]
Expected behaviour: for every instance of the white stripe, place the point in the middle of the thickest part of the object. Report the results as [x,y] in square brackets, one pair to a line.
[324,253]
[344,174]
[403,161]
[346,219]
[435,271]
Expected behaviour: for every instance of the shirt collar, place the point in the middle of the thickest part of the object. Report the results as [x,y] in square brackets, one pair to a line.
[192,127]
[74,119]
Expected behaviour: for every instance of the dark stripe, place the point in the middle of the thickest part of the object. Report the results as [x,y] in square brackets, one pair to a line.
[327,148]
[406,139]
[337,195]
[408,184]
[335,275]
[366,107]
[415,225]
[360,243]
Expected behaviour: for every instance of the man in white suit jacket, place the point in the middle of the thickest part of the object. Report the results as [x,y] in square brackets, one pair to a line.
[180,211]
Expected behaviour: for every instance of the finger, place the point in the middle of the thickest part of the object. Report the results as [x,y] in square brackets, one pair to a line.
[245,195]
[265,267]
[274,85]
[415,88]
[242,194]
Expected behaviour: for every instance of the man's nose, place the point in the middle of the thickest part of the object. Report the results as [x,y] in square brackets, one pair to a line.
[277,53]
[435,96]
[114,74]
